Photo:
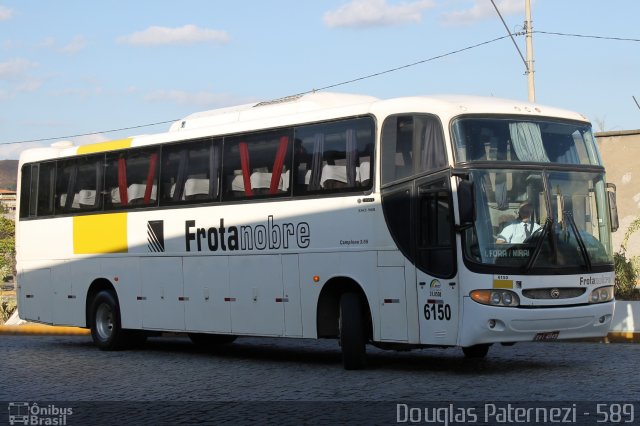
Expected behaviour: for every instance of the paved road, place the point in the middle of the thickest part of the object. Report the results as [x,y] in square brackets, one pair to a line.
[277,375]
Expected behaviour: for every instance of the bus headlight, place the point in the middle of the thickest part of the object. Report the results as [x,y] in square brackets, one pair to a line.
[601,295]
[495,297]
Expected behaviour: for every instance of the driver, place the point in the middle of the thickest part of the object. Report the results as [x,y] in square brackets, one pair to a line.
[521,228]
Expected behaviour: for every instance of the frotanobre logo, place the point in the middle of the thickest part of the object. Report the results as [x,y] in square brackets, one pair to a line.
[155,235]
[33,414]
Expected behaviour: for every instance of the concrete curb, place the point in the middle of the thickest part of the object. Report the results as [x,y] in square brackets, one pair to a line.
[623,337]
[42,330]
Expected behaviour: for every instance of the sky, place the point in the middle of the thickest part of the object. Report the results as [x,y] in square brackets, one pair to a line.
[73,67]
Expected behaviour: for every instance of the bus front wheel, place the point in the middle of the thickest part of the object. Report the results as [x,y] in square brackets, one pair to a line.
[476,351]
[106,331]
[353,338]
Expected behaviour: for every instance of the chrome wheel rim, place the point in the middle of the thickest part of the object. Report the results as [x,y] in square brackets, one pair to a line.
[104,321]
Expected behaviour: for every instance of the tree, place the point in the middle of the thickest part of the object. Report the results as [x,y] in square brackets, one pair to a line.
[626,270]
[600,122]
[7,262]
[7,247]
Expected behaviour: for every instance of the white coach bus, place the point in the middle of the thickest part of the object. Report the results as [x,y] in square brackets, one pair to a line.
[402,223]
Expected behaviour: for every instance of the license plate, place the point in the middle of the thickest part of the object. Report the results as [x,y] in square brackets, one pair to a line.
[545,337]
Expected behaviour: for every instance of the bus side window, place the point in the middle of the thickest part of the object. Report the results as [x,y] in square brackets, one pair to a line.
[46,189]
[257,165]
[131,179]
[78,183]
[411,144]
[333,157]
[190,172]
[28,190]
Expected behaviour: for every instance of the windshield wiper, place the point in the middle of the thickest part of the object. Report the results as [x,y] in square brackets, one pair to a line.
[536,251]
[579,239]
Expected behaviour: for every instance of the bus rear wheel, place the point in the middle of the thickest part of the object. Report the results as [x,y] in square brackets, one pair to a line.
[353,337]
[106,331]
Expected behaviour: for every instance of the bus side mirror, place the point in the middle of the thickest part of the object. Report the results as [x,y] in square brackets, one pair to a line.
[613,207]
[466,203]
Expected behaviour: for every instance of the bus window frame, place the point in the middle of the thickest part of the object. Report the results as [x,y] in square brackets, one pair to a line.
[292,194]
[413,174]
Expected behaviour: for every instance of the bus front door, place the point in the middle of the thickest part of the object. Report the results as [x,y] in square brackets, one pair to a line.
[437,284]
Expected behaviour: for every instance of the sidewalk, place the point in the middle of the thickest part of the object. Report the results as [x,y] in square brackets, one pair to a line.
[625,325]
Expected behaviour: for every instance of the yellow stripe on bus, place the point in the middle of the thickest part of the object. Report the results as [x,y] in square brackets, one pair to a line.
[105,146]
[103,233]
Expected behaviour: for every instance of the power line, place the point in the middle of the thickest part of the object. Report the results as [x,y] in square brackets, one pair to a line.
[331,86]
[587,36]
[90,133]
[303,93]
[526,65]
[377,74]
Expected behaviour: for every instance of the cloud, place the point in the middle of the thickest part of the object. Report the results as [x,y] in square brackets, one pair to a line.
[5,13]
[47,43]
[15,69]
[189,34]
[15,73]
[77,44]
[482,10]
[80,92]
[374,13]
[89,139]
[201,99]
[29,85]
[12,151]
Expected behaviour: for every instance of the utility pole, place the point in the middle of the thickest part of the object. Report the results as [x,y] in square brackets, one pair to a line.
[529,38]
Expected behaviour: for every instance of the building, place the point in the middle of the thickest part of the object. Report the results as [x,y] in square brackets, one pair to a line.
[620,152]
[8,201]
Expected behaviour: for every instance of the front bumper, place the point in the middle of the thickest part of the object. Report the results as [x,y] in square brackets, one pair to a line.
[490,324]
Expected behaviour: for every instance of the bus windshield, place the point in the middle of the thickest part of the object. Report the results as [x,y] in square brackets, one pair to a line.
[524,140]
[534,220]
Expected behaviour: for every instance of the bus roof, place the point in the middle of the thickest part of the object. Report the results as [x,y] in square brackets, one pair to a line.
[283,107]
[308,108]
[337,104]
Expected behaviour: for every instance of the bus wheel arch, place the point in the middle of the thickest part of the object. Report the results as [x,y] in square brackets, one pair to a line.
[103,316]
[328,308]
[98,285]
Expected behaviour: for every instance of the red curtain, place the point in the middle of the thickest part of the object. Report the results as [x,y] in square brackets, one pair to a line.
[246,168]
[151,174]
[122,181]
[277,165]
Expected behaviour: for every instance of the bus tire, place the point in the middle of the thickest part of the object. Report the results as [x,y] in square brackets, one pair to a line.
[476,351]
[211,340]
[106,331]
[352,327]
